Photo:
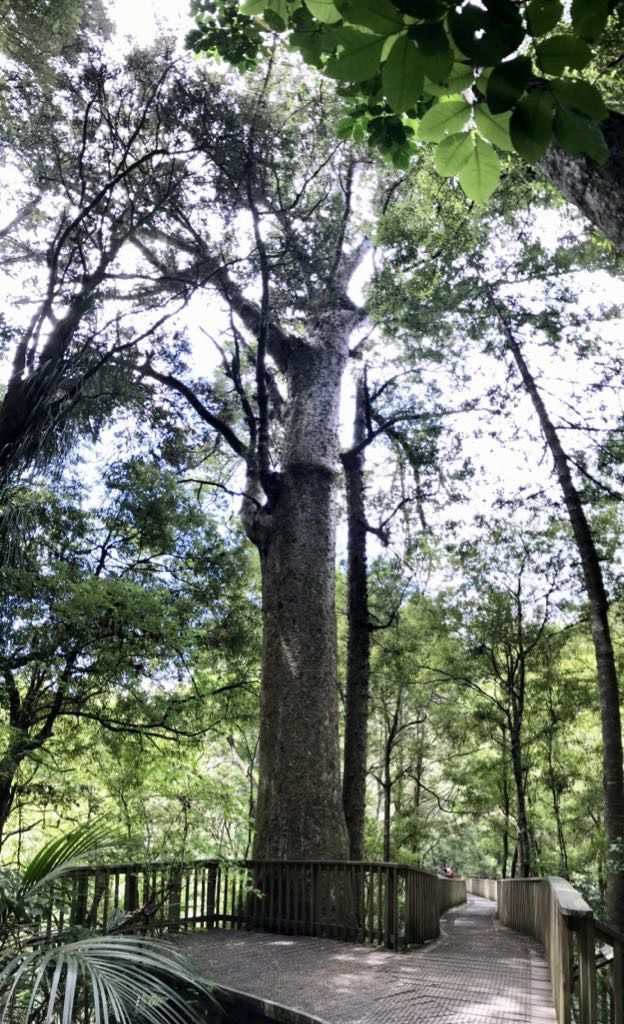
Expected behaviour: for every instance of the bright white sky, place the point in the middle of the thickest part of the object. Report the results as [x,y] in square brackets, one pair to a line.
[143,20]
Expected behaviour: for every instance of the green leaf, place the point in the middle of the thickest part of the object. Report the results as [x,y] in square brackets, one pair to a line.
[360,56]
[589,17]
[253,8]
[431,38]
[433,44]
[387,46]
[58,855]
[480,175]
[378,15]
[486,36]
[460,78]
[452,153]
[507,83]
[437,66]
[494,127]
[274,20]
[530,126]
[543,15]
[325,10]
[425,10]
[577,134]
[344,128]
[580,96]
[443,119]
[280,7]
[557,53]
[402,77]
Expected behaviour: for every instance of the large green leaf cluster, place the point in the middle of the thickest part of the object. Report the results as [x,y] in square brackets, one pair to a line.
[475,79]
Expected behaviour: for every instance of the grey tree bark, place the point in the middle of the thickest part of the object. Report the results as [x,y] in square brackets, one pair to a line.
[597,189]
[299,809]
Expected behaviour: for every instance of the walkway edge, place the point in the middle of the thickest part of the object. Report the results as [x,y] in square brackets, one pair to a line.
[277,1011]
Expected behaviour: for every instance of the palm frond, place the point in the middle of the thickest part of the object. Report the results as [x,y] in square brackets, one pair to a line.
[125,980]
[60,854]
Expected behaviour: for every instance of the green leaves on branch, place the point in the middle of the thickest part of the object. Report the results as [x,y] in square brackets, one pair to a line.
[473,160]
[510,71]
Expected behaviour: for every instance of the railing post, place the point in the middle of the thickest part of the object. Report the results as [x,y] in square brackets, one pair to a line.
[78,910]
[617,983]
[131,895]
[175,898]
[588,999]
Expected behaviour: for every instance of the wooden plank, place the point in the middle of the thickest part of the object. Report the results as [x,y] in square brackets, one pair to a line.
[570,902]
[588,1000]
[617,983]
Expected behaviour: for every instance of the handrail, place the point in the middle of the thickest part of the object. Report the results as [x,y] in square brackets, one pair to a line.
[484,887]
[587,987]
[387,904]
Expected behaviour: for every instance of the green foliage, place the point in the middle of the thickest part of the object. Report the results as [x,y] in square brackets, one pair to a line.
[400,60]
[105,610]
[122,979]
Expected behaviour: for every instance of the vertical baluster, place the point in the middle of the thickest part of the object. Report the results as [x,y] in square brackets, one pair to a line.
[317,903]
[587,972]
[617,982]
[211,896]
[106,899]
[287,897]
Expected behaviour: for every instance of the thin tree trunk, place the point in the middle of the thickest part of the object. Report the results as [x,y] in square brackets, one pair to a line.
[613,762]
[597,189]
[358,644]
[387,790]
[514,862]
[299,806]
[524,845]
[506,808]
[7,797]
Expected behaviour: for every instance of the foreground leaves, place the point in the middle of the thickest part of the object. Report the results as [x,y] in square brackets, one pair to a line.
[124,979]
[400,58]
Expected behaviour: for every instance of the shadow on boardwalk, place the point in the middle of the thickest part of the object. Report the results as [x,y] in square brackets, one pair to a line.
[478,972]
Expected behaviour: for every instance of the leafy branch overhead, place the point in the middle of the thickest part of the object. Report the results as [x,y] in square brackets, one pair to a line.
[474,79]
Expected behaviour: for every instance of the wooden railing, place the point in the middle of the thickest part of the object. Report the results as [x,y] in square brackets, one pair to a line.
[585,957]
[389,905]
[485,887]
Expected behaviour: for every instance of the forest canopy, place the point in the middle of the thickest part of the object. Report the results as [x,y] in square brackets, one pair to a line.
[311,452]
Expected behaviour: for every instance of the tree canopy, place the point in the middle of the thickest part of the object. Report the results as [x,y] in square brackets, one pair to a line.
[311,465]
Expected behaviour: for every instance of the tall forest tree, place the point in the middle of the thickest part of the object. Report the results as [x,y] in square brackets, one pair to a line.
[193,181]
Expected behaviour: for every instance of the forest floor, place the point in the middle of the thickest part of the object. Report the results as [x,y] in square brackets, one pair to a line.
[478,972]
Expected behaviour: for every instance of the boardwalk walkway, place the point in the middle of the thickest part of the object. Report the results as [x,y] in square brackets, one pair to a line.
[478,972]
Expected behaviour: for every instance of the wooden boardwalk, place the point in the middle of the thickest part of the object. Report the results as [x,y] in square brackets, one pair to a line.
[478,972]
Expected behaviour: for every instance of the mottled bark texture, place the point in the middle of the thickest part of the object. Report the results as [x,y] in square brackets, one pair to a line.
[299,810]
[358,643]
[597,189]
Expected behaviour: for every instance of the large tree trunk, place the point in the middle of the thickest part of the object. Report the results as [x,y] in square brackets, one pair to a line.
[610,719]
[299,810]
[358,644]
[597,189]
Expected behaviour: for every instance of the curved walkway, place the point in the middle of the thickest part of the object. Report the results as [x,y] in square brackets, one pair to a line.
[477,972]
